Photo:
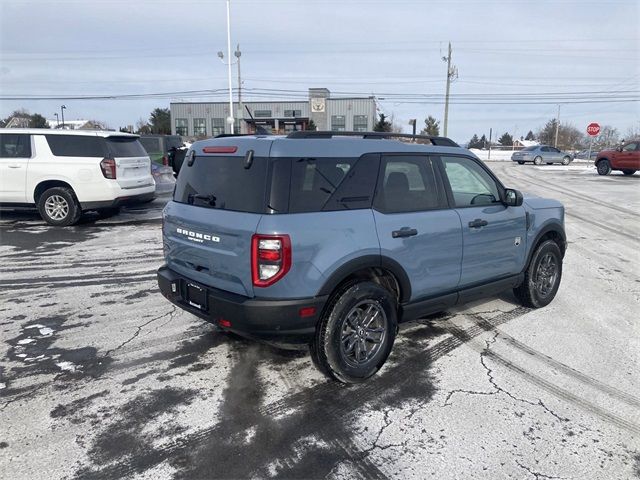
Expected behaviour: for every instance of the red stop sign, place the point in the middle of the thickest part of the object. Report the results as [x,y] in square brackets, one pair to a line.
[593,129]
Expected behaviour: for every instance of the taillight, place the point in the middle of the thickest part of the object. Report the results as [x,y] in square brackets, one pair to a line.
[165,160]
[270,258]
[108,166]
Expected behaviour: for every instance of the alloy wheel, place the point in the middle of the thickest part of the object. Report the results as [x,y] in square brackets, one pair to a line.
[546,275]
[363,332]
[57,207]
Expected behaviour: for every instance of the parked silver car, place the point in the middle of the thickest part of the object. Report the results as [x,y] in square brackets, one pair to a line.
[539,154]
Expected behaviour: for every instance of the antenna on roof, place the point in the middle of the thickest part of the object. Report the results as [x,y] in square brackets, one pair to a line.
[260,130]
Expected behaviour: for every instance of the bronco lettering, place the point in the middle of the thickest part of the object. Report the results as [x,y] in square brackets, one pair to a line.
[196,236]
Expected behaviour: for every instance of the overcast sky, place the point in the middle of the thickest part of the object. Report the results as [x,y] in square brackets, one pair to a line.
[582,54]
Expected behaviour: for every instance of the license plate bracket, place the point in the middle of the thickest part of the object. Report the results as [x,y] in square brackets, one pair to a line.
[196,296]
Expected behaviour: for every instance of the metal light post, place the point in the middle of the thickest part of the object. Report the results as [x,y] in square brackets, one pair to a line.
[57,120]
[237,53]
[230,119]
[62,107]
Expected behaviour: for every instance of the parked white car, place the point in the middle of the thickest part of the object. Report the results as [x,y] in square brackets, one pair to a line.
[64,173]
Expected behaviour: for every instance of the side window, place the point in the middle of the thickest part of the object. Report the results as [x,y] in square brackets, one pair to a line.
[544,149]
[357,189]
[217,126]
[77,145]
[313,181]
[470,183]
[629,147]
[338,123]
[406,184]
[15,145]
[199,127]
[182,127]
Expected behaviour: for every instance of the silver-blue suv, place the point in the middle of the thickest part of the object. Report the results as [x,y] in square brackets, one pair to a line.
[332,239]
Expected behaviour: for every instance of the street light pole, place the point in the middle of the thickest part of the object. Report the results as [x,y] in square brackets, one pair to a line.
[555,142]
[230,119]
[62,107]
[57,120]
[240,109]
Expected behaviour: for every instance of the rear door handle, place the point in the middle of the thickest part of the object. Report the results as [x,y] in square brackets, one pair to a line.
[13,165]
[477,223]
[404,232]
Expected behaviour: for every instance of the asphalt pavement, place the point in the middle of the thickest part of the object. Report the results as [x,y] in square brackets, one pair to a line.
[101,377]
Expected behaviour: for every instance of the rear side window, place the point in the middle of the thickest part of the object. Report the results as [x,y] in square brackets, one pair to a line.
[125,147]
[77,146]
[314,180]
[223,183]
[15,145]
[406,184]
[151,144]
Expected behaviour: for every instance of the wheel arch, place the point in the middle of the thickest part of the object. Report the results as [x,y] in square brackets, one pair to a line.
[380,269]
[552,231]
[46,185]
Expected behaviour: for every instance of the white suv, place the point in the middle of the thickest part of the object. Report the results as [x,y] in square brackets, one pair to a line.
[66,172]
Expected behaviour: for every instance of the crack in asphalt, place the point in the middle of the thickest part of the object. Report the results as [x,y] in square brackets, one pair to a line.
[536,475]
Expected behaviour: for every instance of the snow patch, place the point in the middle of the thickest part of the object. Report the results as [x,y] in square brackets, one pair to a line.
[26,341]
[46,331]
[67,366]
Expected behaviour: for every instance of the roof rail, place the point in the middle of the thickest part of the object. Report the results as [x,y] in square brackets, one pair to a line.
[439,141]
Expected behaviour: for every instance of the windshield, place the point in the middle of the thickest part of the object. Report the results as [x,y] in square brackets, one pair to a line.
[223,183]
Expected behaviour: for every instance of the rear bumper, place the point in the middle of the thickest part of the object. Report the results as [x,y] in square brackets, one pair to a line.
[119,202]
[273,320]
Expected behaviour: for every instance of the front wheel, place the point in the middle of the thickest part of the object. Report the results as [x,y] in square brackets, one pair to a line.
[542,277]
[356,333]
[603,167]
[566,160]
[520,163]
[58,206]
[537,160]
[629,172]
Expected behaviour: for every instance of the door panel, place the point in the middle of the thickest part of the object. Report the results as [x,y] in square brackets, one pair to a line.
[414,226]
[15,151]
[493,234]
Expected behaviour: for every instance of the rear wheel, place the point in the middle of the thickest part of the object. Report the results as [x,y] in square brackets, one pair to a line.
[566,160]
[356,333]
[537,160]
[520,163]
[542,277]
[58,206]
[603,167]
[629,172]
[549,163]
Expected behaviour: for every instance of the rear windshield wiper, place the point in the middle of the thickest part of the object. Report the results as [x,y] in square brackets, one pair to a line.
[210,199]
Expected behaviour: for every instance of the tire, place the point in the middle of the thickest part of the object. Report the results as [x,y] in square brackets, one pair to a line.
[59,206]
[566,160]
[549,163]
[542,277]
[345,347]
[520,163]
[603,167]
[629,172]
[537,161]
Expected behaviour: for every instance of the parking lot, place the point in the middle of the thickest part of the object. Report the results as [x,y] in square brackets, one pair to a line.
[101,377]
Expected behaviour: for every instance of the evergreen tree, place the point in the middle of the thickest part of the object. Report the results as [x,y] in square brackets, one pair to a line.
[311,126]
[431,127]
[483,142]
[382,125]
[475,142]
[530,136]
[506,140]
[160,121]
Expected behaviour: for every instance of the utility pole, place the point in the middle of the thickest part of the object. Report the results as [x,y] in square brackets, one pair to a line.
[62,107]
[555,142]
[240,109]
[230,119]
[452,71]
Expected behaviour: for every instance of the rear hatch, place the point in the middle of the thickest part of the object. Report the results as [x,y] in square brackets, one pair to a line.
[215,211]
[133,167]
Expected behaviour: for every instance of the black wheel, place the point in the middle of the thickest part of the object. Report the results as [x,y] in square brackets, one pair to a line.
[59,206]
[537,160]
[629,172]
[549,163]
[356,333]
[603,167]
[542,278]
[520,163]
[566,160]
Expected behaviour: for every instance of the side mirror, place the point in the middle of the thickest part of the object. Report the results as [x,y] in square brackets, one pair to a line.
[512,197]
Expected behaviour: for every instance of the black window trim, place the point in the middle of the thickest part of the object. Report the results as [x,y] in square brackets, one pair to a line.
[443,203]
[447,186]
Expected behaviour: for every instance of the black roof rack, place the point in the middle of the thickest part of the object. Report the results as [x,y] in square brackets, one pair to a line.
[439,141]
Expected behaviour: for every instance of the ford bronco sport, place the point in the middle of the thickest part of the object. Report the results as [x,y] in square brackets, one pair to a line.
[332,239]
[625,158]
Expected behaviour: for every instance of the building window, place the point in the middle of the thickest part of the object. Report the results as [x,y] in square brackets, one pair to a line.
[338,123]
[293,113]
[360,123]
[182,127]
[217,126]
[199,127]
[237,125]
[262,113]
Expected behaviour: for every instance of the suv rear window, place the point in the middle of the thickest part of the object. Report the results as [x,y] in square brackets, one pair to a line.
[226,183]
[94,146]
